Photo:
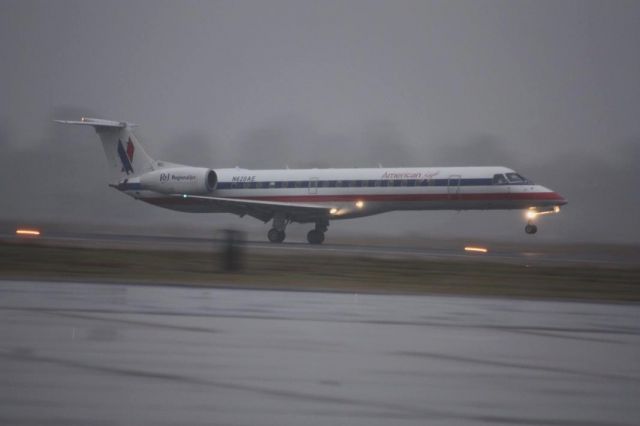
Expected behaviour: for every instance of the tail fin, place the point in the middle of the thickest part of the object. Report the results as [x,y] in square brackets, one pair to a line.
[125,155]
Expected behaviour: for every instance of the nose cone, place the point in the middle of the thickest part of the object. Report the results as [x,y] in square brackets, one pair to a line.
[561,201]
[553,196]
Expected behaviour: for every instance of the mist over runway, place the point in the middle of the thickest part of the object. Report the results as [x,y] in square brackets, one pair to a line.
[119,354]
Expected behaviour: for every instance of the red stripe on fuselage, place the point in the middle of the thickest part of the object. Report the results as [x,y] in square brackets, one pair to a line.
[518,196]
[408,197]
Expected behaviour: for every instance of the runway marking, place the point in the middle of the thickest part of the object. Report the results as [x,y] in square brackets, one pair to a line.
[134,322]
[507,364]
[542,331]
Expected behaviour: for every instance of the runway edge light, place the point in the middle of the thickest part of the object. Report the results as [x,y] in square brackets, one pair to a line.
[473,249]
[29,232]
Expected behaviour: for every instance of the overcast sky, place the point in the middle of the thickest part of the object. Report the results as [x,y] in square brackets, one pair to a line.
[551,88]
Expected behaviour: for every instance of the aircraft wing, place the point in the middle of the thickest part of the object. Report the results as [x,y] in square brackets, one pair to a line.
[264,210]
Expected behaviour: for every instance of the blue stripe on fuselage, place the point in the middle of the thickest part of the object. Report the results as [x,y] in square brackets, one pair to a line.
[360,183]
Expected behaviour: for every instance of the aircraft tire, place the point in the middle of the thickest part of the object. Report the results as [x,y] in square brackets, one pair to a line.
[276,236]
[531,229]
[315,237]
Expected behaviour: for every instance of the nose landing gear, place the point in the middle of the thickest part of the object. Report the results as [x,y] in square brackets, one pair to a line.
[533,213]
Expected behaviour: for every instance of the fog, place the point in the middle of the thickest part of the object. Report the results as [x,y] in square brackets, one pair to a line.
[551,89]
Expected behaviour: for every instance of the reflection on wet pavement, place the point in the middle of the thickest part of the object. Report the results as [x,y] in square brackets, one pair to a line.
[90,354]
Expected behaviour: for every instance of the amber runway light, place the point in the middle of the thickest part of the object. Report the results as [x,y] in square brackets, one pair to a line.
[30,232]
[476,249]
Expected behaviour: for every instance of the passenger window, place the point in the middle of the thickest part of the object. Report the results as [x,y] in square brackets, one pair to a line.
[499,179]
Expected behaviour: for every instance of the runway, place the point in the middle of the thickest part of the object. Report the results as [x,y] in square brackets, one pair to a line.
[606,255]
[88,354]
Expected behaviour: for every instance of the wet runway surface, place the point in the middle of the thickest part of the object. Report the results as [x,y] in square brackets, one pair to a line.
[86,354]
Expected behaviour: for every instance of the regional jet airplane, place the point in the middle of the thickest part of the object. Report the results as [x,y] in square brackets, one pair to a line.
[315,196]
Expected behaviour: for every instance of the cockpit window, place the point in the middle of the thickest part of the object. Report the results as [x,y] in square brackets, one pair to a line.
[516,178]
[499,179]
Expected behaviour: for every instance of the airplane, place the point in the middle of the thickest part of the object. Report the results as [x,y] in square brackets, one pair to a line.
[316,196]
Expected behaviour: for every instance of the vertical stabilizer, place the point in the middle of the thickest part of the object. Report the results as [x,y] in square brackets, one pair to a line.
[125,156]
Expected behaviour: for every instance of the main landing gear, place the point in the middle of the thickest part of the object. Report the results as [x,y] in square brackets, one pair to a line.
[276,234]
[316,236]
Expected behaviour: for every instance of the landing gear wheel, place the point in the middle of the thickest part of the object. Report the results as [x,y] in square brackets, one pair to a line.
[275,236]
[531,229]
[315,237]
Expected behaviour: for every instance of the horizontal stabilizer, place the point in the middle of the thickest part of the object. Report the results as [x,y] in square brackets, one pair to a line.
[97,122]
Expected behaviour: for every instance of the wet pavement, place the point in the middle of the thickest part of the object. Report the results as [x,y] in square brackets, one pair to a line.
[87,354]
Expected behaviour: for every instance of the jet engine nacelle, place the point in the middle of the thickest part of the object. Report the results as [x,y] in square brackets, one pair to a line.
[180,180]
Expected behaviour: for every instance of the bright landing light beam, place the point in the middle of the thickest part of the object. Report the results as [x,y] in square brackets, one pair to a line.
[532,214]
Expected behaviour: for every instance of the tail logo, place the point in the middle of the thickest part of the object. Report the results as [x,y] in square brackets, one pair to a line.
[126,157]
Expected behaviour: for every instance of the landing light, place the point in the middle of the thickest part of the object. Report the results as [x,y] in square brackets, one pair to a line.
[532,214]
[30,232]
[184,195]
[333,211]
[476,249]
[360,204]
